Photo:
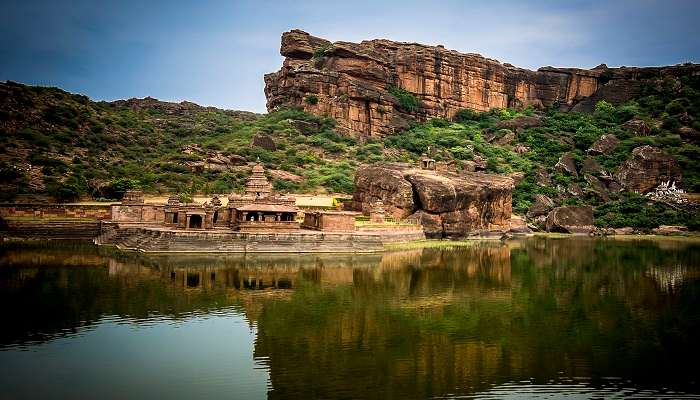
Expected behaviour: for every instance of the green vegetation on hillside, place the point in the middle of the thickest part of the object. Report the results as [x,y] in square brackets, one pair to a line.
[407,100]
[67,146]
[475,136]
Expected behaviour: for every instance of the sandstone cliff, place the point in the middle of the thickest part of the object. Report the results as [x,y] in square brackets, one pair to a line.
[446,204]
[351,82]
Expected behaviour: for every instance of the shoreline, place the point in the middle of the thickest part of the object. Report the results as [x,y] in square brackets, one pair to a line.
[141,238]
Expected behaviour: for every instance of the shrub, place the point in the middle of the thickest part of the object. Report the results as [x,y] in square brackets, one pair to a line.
[119,186]
[407,100]
[9,172]
[67,192]
[311,99]
[605,111]
[439,122]
[671,123]
[677,106]
[369,149]
[634,210]
[461,153]
[34,137]
[627,111]
[185,198]
[466,115]
[585,136]
[48,162]
[320,52]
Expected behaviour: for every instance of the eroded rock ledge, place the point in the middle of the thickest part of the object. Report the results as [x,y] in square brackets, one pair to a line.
[447,204]
[350,82]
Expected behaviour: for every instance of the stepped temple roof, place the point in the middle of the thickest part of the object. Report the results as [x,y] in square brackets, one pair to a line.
[257,184]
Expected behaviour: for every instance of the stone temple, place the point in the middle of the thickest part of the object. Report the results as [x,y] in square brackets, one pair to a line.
[257,220]
[257,209]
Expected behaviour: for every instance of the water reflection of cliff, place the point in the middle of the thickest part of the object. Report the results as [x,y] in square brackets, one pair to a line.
[432,322]
[414,323]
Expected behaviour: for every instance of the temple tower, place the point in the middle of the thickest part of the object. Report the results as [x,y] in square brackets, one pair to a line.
[257,184]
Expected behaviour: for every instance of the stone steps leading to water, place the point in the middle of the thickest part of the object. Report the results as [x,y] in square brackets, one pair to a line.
[50,229]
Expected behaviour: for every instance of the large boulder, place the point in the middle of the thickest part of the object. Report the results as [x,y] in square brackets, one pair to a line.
[598,186]
[637,127]
[689,134]
[670,230]
[566,165]
[648,167]
[571,219]
[305,127]
[211,160]
[299,44]
[284,175]
[374,183]
[540,206]
[591,166]
[604,145]
[542,178]
[263,141]
[447,204]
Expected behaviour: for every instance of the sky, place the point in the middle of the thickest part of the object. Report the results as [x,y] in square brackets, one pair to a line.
[215,53]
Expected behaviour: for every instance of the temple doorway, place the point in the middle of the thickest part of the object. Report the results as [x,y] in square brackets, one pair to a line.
[195,222]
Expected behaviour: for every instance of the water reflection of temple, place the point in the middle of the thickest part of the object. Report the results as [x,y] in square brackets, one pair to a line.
[233,278]
[427,321]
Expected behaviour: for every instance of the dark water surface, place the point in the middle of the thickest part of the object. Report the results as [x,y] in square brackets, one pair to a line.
[545,318]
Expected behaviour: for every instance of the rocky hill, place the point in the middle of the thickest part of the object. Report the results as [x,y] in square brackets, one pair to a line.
[605,140]
[377,87]
[59,145]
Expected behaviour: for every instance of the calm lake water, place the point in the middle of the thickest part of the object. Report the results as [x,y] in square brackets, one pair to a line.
[540,317]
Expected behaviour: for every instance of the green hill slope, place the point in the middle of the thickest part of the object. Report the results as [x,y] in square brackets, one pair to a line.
[66,146]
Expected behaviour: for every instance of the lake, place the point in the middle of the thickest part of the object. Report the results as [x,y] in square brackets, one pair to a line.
[539,317]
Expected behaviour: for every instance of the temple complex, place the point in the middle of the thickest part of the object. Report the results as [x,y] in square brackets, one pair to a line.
[259,208]
[255,221]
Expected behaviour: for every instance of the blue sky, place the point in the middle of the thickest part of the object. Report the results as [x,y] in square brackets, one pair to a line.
[216,52]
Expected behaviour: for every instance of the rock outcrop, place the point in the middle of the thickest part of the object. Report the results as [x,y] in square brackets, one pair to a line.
[566,165]
[540,206]
[637,127]
[571,219]
[604,145]
[648,167]
[447,204]
[670,230]
[263,141]
[354,82]
[210,160]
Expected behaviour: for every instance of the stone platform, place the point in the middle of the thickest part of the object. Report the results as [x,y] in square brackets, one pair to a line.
[156,239]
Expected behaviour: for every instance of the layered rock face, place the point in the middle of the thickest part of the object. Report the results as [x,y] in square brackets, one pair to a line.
[447,204]
[351,82]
